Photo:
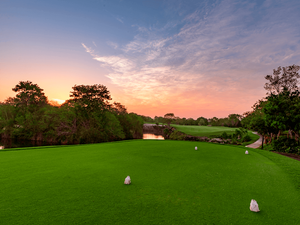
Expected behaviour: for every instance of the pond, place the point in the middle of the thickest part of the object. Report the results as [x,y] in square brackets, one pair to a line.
[153,136]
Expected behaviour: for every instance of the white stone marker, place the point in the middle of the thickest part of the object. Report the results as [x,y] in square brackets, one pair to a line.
[254,206]
[196,148]
[127,180]
[246,152]
[1,147]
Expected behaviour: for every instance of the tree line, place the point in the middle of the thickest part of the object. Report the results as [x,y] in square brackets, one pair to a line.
[277,116]
[87,117]
[232,120]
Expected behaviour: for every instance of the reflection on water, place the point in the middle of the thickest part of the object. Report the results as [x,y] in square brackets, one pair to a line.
[153,136]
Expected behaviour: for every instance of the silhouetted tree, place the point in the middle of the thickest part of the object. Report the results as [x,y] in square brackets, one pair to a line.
[91,97]
[29,96]
[30,103]
[202,121]
[168,118]
[283,78]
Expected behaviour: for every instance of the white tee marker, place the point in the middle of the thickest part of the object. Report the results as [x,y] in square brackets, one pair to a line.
[127,180]
[254,206]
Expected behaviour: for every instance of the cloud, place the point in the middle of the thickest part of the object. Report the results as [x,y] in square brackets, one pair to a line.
[120,20]
[221,51]
[88,50]
[112,44]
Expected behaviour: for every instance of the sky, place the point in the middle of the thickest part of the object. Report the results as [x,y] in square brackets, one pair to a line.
[188,57]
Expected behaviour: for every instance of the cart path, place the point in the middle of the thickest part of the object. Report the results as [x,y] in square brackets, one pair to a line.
[256,144]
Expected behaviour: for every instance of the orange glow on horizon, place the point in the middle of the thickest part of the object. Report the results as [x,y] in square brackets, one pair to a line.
[56,102]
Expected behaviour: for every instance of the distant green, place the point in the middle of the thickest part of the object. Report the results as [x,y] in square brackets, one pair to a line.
[171,184]
[207,131]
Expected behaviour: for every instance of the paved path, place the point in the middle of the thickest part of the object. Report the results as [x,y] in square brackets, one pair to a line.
[256,144]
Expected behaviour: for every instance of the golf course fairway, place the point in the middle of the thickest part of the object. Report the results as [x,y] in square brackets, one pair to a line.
[171,183]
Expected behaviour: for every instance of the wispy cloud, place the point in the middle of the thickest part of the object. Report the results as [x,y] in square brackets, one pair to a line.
[224,50]
[88,50]
[112,44]
[119,19]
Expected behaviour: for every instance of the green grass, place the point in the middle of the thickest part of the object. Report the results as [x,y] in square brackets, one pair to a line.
[206,131]
[211,132]
[171,184]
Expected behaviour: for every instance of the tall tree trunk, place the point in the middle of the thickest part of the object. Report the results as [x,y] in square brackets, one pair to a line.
[262,142]
[290,133]
[265,139]
[296,136]
[278,135]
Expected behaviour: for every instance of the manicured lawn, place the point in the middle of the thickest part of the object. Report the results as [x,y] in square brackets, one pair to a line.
[171,184]
[204,130]
[211,132]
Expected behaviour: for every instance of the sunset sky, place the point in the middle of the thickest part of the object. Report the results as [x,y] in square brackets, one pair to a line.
[188,57]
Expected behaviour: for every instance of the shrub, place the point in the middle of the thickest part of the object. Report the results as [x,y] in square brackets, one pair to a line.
[166,131]
[246,138]
[224,135]
[284,144]
[176,135]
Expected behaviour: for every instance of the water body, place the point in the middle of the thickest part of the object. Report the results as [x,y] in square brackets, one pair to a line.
[153,131]
[153,136]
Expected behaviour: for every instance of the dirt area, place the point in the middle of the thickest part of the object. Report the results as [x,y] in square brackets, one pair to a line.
[291,155]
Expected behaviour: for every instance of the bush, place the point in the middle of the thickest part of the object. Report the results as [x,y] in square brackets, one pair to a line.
[176,135]
[246,138]
[167,131]
[224,135]
[284,144]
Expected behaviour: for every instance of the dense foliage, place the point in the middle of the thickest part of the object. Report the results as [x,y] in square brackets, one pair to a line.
[233,120]
[277,117]
[87,117]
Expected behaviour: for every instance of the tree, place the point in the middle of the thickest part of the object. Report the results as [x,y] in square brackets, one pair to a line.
[255,120]
[282,111]
[118,108]
[168,118]
[30,103]
[7,119]
[29,94]
[214,121]
[87,117]
[91,97]
[202,121]
[283,78]
[234,120]
[90,104]
[191,121]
